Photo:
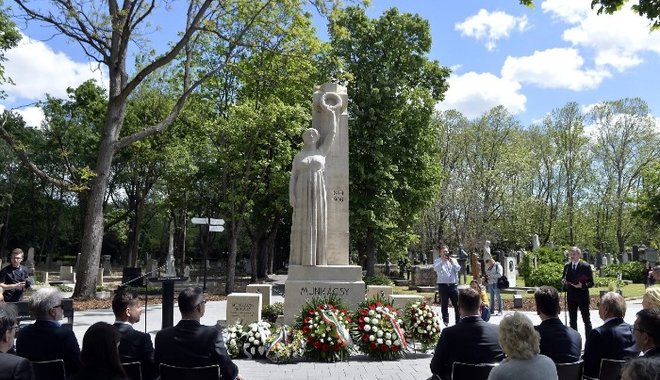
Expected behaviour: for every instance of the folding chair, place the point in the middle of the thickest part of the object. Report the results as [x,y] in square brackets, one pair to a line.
[610,369]
[49,370]
[133,370]
[570,371]
[462,371]
[170,372]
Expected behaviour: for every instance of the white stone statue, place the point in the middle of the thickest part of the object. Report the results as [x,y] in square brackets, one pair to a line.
[307,190]
[535,242]
[486,255]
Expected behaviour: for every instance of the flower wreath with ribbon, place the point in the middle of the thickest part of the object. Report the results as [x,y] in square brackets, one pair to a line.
[422,324]
[324,322]
[377,331]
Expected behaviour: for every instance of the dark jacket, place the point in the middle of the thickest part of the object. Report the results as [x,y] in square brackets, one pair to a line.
[559,342]
[46,340]
[14,367]
[653,353]
[613,340]
[11,275]
[582,274]
[190,344]
[470,341]
[136,346]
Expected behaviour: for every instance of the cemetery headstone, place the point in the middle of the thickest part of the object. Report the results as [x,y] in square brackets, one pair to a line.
[266,291]
[30,261]
[244,307]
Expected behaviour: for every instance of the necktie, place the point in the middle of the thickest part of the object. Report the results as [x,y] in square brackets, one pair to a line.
[574,266]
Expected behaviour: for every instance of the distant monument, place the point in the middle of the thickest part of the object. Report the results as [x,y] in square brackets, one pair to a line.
[318,193]
[535,242]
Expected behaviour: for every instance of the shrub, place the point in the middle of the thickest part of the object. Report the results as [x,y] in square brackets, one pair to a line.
[151,290]
[379,279]
[543,255]
[632,270]
[270,312]
[603,282]
[546,274]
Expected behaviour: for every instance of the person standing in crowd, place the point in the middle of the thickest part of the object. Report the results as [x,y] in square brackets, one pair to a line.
[520,343]
[560,343]
[45,339]
[99,355]
[647,332]
[134,345]
[14,277]
[613,340]
[494,271]
[447,270]
[12,367]
[470,341]
[648,273]
[577,279]
[190,344]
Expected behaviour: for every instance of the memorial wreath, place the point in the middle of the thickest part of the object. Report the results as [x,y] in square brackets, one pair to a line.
[324,324]
[422,324]
[377,331]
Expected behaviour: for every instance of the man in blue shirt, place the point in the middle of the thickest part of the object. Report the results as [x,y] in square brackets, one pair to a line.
[447,269]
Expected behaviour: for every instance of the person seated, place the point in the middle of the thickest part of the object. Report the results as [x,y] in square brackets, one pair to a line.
[45,339]
[12,367]
[647,332]
[642,368]
[99,355]
[521,343]
[651,298]
[189,343]
[613,340]
[483,309]
[471,341]
[134,345]
[558,342]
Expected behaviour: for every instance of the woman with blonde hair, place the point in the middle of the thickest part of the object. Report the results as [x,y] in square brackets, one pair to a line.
[520,342]
[485,311]
[651,298]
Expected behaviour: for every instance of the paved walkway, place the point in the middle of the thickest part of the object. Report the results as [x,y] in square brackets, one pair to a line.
[415,366]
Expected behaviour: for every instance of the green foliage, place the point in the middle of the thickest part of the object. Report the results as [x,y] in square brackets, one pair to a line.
[632,270]
[271,312]
[602,282]
[543,255]
[547,274]
[152,290]
[649,198]
[378,279]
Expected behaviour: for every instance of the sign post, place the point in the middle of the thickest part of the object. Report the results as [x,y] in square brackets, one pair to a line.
[212,225]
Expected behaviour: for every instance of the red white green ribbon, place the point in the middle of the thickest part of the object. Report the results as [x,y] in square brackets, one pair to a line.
[330,317]
[398,331]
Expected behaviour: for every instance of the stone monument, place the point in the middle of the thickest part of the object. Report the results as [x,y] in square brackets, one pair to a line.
[318,193]
[535,242]
[170,270]
[30,261]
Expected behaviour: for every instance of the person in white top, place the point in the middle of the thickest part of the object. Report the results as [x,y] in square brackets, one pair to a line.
[493,272]
[447,269]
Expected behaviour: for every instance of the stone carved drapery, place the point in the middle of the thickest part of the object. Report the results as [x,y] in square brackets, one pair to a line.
[307,189]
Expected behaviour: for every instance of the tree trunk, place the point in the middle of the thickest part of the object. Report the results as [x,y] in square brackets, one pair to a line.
[231,260]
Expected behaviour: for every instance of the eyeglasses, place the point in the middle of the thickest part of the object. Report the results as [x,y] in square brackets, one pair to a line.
[15,328]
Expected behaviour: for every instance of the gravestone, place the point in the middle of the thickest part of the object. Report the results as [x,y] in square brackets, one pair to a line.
[266,291]
[625,257]
[244,307]
[399,301]
[535,242]
[99,278]
[67,274]
[336,276]
[170,269]
[510,269]
[424,275]
[107,266]
[383,291]
[30,261]
[599,259]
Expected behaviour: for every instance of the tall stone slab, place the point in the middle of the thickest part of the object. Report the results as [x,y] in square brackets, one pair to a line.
[336,181]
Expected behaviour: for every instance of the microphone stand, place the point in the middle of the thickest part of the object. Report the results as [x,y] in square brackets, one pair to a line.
[146,292]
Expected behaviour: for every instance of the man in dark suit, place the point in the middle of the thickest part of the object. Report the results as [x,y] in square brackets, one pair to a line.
[558,342]
[577,280]
[647,332]
[470,341]
[12,367]
[613,340]
[134,345]
[190,344]
[45,339]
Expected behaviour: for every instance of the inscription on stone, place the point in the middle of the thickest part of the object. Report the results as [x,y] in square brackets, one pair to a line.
[245,307]
[324,291]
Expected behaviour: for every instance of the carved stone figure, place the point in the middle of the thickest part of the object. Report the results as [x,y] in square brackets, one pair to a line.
[307,190]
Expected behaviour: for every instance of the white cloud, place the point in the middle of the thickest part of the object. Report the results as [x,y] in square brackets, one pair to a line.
[33,116]
[475,93]
[553,68]
[38,70]
[616,40]
[491,26]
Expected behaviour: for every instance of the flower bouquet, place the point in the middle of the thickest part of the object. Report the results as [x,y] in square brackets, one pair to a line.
[378,331]
[253,339]
[324,324]
[284,345]
[233,340]
[422,324]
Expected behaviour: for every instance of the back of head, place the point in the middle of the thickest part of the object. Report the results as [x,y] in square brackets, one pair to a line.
[648,321]
[547,301]
[518,338]
[189,298]
[43,300]
[614,303]
[121,301]
[469,301]
[652,296]
[8,317]
[99,349]
[641,368]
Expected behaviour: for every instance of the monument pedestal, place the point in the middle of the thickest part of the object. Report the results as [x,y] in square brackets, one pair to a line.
[305,282]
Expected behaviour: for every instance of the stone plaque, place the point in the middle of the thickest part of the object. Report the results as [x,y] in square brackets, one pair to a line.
[510,270]
[266,291]
[245,307]
[67,273]
[384,291]
[399,301]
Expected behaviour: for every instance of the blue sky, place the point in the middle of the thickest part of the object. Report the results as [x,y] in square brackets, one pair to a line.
[529,60]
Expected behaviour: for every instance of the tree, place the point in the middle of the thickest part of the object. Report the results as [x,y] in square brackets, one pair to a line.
[105,36]
[393,149]
[649,199]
